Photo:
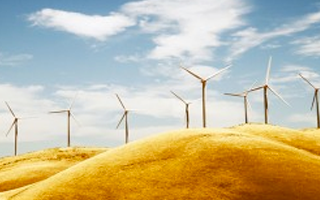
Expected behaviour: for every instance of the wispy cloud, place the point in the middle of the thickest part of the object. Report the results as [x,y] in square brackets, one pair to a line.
[92,26]
[290,73]
[250,37]
[309,46]
[129,58]
[192,31]
[14,60]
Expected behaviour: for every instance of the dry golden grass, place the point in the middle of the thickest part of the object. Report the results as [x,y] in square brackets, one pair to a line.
[32,167]
[251,162]
[307,139]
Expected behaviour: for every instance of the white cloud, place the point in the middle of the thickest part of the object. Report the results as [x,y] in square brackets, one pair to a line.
[270,46]
[92,26]
[309,46]
[189,28]
[129,58]
[189,33]
[14,60]
[250,37]
[290,73]
[295,68]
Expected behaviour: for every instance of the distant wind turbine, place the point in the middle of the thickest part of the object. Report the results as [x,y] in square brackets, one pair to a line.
[315,99]
[15,125]
[69,114]
[186,109]
[245,99]
[265,88]
[204,83]
[124,117]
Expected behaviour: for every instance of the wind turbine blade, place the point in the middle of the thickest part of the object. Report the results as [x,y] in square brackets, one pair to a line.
[278,95]
[193,74]
[219,72]
[58,111]
[256,88]
[13,123]
[307,81]
[179,97]
[232,94]
[32,117]
[74,118]
[124,114]
[10,109]
[313,100]
[253,84]
[268,70]
[121,102]
[72,102]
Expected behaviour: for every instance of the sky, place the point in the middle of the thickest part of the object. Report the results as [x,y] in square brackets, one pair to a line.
[52,51]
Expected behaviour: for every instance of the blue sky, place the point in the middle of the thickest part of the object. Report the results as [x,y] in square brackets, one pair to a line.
[51,50]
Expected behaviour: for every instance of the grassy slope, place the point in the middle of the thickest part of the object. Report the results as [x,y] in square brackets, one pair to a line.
[32,167]
[236,163]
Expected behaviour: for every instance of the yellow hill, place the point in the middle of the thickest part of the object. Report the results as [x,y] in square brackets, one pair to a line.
[32,167]
[307,139]
[226,164]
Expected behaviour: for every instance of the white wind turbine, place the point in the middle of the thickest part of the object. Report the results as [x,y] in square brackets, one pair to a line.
[186,108]
[245,100]
[315,99]
[16,130]
[204,83]
[125,118]
[69,114]
[265,88]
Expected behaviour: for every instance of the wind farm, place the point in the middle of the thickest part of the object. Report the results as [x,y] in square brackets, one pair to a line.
[203,130]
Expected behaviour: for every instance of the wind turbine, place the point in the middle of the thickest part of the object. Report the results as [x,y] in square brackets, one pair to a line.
[186,109]
[204,83]
[315,98]
[124,117]
[245,100]
[265,88]
[69,114]
[15,125]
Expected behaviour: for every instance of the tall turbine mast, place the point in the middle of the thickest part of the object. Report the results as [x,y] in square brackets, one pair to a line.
[203,84]
[186,108]
[265,88]
[315,99]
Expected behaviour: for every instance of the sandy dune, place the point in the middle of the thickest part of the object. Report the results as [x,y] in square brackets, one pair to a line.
[251,162]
